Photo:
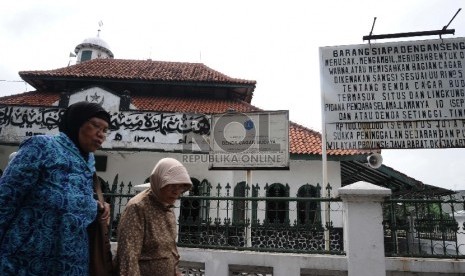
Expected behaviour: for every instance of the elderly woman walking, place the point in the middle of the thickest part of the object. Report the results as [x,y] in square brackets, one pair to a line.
[147,229]
[46,197]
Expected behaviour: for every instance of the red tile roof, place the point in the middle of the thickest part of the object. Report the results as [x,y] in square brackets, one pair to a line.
[140,70]
[32,98]
[302,140]
[193,105]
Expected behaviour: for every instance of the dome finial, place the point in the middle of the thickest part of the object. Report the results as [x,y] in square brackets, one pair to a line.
[100,24]
[92,48]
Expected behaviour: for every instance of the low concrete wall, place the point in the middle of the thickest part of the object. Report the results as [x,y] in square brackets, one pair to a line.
[424,267]
[217,263]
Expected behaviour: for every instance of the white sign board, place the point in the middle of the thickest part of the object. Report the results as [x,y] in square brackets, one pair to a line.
[244,141]
[407,94]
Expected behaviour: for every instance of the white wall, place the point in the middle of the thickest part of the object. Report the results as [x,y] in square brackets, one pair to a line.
[136,167]
[5,152]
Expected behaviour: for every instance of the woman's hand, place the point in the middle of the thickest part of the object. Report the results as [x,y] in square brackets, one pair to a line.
[104,210]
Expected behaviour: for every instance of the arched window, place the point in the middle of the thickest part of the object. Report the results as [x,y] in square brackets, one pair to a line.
[239,205]
[204,188]
[196,210]
[190,208]
[277,210]
[308,212]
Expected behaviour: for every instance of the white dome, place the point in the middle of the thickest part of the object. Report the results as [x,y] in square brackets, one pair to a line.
[95,42]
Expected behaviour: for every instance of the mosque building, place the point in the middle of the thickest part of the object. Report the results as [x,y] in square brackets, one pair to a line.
[165,109]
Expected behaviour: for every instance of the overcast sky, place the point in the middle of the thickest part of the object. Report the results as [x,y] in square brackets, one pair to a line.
[273,42]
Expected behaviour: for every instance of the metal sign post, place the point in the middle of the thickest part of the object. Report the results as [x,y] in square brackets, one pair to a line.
[324,159]
[248,213]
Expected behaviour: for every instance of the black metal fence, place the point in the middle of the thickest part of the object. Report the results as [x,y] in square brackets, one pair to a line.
[268,218]
[425,227]
[247,217]
[264,229]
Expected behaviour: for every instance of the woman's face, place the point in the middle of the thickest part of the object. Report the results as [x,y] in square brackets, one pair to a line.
[92,134]
[170,193]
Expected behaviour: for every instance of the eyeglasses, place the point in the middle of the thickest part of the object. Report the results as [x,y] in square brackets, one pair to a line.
[103,129]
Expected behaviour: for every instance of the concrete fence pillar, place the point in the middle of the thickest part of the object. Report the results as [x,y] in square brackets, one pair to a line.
[363,229]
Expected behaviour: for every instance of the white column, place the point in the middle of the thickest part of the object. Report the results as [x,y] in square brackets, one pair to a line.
[363,229]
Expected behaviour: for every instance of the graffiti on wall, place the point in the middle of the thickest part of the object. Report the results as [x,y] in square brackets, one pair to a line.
[130,129]
[38,118]
[161,122]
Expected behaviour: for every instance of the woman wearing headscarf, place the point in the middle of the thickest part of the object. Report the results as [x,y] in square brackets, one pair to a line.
[46,197]
[147,229]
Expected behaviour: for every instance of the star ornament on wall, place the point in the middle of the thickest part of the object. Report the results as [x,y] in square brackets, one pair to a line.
[95,99]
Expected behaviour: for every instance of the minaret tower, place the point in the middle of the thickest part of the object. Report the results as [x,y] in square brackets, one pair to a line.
[92,48]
